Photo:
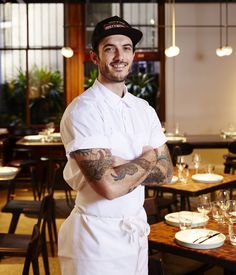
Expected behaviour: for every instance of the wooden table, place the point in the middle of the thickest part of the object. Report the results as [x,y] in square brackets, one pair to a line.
[40,144]
[194,189]
[162,238]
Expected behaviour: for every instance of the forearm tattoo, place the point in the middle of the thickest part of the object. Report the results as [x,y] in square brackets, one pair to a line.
[130,169]
[162,172]
[97,163]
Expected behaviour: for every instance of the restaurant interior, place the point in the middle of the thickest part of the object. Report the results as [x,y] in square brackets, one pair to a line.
[184,67]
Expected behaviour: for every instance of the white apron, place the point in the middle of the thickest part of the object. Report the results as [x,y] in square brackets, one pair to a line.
[113,246]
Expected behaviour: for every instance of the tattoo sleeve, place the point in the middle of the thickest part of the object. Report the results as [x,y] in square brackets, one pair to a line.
[162,172]
[97,167]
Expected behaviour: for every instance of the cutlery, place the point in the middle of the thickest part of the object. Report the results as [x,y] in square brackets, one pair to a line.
[207,237]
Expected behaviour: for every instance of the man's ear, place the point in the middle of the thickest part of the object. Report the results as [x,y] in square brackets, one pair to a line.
[94,57]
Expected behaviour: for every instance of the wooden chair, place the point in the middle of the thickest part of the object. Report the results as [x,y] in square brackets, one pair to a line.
[230,158]
[181,149]
[22,158]
[54,181]
[29,246]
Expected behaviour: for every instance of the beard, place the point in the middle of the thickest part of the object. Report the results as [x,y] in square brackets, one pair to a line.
[114,76]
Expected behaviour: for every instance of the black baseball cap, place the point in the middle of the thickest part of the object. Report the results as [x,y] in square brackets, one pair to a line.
[114,25]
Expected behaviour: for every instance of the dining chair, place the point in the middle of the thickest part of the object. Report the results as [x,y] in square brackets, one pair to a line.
[154,205]
[22,158]
[181,149]
[52,180]
[29,246]
[230,158]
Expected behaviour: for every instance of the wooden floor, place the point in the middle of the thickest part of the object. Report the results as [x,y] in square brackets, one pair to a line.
[13,266]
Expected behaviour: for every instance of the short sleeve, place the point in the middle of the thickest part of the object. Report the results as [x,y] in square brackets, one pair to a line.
[82,127]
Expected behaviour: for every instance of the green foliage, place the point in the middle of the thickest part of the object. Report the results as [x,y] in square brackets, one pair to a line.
[144,86]
[90,80]
[45,91]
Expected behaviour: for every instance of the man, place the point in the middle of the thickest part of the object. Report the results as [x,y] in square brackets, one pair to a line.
[115,146]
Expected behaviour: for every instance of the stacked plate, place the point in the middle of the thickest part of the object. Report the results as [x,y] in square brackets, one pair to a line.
[7,171]
[197,218]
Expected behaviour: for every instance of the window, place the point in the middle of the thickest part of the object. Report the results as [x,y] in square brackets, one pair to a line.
[31,65]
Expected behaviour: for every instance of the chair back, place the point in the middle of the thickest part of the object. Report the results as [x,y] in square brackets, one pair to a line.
[181,149]
[232,147]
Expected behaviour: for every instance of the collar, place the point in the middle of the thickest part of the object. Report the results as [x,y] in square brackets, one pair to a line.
[111,98]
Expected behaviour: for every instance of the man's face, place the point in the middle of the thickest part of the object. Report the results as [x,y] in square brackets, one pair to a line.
[115,57]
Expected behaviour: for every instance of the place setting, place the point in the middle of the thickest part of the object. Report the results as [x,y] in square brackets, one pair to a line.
[193,226]
[207,176]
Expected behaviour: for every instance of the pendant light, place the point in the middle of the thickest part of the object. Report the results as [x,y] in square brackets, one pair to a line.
[66,51]
[220,51]
[172,50]
[226,50]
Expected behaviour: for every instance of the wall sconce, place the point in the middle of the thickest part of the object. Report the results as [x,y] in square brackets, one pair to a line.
[172,50]
[226,50]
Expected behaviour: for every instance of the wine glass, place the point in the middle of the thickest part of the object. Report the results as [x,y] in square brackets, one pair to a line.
[230,212]
[181,165]
[196,161]
[50,127]
[223,196]
[204,205]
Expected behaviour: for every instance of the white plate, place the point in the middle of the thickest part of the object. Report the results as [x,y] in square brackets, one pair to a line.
[229,133]
[207,178]
[197,218]
[173,138]
[174,179]
[7,171]
[187,237]
[33,137]
[56,135]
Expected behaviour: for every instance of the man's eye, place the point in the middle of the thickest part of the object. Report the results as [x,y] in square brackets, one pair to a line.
[127,49]
[109,49]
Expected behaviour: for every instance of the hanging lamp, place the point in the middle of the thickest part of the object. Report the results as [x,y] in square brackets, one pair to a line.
[226,50]
[66,51]
[172,50]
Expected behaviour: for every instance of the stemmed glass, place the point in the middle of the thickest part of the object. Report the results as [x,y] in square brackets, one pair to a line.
[50,127]
[204,205]
[230,212]
[223,196]
[196,161]
[181,165]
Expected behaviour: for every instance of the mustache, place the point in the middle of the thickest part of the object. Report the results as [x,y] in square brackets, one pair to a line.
[119,63]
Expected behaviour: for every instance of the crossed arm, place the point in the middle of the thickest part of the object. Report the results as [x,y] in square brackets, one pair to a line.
[112,177]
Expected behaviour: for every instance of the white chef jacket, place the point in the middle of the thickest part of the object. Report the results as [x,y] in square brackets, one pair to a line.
[104,237]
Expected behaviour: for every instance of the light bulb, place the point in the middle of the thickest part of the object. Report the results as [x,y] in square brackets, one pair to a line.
[220,52]
[172,51]
[67,52]
[228,50]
